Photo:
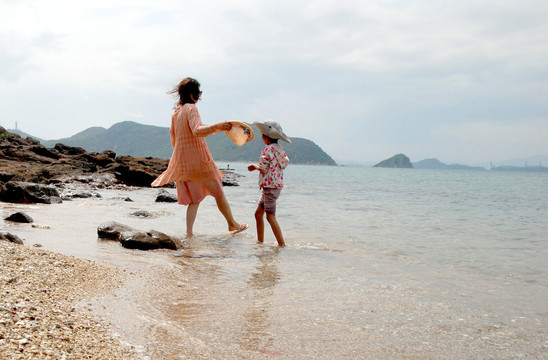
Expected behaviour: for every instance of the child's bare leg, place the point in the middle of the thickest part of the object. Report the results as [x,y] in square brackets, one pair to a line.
[259,213]
[191,213]
[276,229]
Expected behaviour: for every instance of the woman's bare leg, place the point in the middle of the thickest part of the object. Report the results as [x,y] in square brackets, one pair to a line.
[191,213]
[224,208]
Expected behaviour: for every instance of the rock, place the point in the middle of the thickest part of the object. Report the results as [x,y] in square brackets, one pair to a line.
[138,171]
[149,240]
[135,239]
[11,238]
[230,178]
[396,161]
[81,195]
[5,176]
[43,151]
[29,193]
[113,230]
[133,176]
[20,217]
[103,159]
[165,196]
[69,150]
[142,214]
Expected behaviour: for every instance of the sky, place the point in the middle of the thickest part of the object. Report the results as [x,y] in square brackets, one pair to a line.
[461,81]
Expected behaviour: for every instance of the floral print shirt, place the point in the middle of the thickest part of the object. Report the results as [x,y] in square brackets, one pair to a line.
[271,165]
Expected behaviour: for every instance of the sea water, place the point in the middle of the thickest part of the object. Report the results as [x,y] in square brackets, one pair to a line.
[379,263]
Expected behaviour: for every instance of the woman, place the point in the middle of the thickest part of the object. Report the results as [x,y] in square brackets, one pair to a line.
[191,165]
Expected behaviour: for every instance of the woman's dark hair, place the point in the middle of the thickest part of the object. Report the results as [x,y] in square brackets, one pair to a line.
[184,89]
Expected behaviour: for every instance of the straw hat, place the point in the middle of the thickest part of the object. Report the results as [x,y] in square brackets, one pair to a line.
[272,129]
[240,133]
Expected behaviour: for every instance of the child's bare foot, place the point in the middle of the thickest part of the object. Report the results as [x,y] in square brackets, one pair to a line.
[237,229]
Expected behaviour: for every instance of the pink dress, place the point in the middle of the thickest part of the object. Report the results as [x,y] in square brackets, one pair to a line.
[191,165]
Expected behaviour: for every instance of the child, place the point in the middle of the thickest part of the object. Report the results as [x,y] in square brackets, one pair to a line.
[271,165]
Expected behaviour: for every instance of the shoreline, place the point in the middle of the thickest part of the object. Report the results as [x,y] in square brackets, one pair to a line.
[42,306]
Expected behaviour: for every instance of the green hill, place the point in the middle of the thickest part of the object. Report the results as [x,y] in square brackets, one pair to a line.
[131,138]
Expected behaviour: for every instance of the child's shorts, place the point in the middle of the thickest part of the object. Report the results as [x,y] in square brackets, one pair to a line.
[268,200]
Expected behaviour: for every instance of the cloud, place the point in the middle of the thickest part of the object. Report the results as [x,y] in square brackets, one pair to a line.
[389,74]
[493,140]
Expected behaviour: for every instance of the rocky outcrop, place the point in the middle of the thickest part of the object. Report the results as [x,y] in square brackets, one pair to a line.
[396,161]
[28,193]
[26,160]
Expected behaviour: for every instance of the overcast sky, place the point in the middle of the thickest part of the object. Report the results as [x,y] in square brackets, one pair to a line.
[462,81]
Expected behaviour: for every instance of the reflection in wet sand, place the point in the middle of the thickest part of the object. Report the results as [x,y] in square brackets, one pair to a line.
[261,285]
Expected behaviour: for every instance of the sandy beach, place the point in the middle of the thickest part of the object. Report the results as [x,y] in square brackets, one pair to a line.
[43,311]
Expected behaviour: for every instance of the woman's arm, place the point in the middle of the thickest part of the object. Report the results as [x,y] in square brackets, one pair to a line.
[206,130]
[201,130]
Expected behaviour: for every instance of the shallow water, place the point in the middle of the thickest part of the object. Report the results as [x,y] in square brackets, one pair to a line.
[380,263]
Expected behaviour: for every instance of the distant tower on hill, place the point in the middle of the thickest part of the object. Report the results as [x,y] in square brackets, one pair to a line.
[16,125]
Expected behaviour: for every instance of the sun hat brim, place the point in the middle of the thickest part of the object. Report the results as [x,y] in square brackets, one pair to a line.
[240,133]
[271,131]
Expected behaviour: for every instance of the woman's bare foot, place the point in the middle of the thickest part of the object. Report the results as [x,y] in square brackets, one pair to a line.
[237,229]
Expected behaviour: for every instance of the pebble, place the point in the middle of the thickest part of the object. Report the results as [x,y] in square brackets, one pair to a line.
[39,313]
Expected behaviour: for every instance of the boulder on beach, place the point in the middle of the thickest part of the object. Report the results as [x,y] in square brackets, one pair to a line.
[165,196]
[149,240]
[135,239]
[11,238]
[113,230]
[20,217]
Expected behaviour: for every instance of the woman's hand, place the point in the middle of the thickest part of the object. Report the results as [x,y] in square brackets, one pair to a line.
[225,125]
[253,167]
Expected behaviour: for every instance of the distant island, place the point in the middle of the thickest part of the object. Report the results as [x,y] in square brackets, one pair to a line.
[436,164]
[134,139]
[402,161]
[397,161]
